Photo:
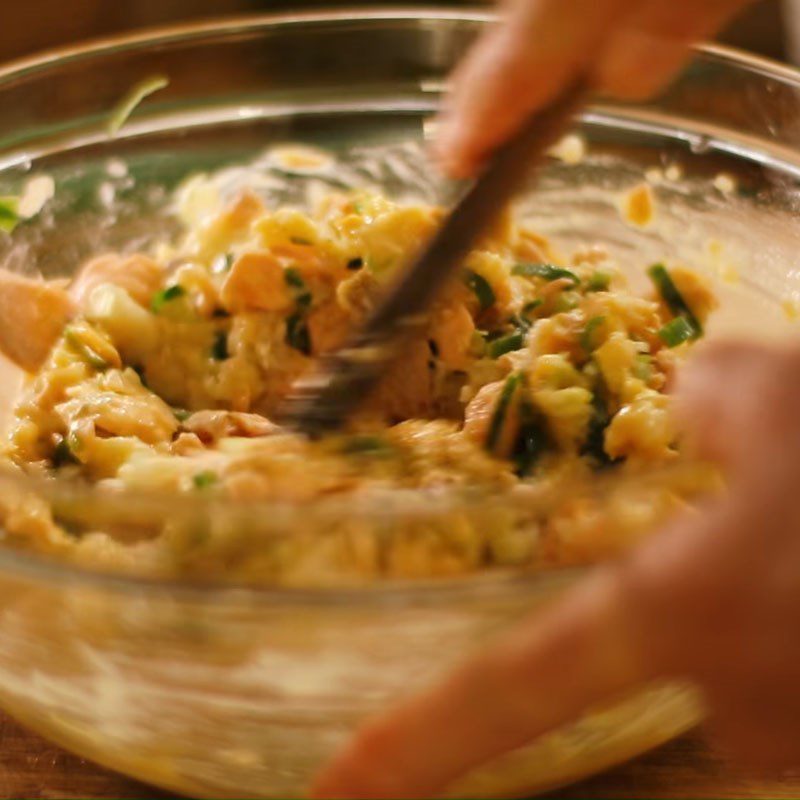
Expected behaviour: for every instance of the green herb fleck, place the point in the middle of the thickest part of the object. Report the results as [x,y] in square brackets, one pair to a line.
[93,358]
[164,296]
[481,288]
[205,479]
[367,445]
[513,382]
[549,272]
[674,299]
[532,305]
[120,114]
[531,441]
[294,280]
[521,322]
[643,367]
[677,331]
[566,301]
[181,414]
[219,349]
[297,335]
[506,344]
[300,240]
[598,281]
[594,446]
[9,213]
[589,334]
[477,344]
[523,319]
[62,453]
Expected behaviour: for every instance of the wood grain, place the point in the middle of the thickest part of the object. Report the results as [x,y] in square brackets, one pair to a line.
[33,768]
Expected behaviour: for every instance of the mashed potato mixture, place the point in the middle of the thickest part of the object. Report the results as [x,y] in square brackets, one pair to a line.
[534,369]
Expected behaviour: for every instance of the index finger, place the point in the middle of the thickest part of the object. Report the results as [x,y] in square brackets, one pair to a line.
[579,652]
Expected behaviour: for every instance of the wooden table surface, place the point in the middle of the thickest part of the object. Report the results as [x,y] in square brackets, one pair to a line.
[686,768]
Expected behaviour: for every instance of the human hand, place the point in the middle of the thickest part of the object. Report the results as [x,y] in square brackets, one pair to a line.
[631,48]
[714,598]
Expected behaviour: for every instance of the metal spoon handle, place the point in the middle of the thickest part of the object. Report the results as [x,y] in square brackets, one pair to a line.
[342,380]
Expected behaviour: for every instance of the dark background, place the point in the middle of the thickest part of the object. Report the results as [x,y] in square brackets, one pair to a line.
[30,25]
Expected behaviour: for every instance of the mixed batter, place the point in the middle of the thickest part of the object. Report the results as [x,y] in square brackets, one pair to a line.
[534,368]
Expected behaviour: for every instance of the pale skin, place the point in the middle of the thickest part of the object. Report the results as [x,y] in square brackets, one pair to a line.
[714,597]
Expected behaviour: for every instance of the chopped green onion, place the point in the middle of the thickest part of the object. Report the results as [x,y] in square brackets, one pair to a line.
[566,301]
[477,344]
[513,382]
[181,414]
[295,280]
[219,349]
[120,114]
[598,281]
[677,331]
[297,335]
[9,213]
[588,334]
[532,305]
[91,357]
[164,296]
[481,288]
[643,367]
[521,322]
[531,441]
[62,453]
[550,272]
[674,299]
[594,446]
[205,479]
[366,444]
[506,344]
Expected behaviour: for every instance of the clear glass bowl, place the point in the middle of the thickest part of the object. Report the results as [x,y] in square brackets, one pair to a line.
[221,691]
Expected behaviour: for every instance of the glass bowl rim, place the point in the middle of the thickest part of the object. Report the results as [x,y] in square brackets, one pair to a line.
[226,25]
[51,571]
